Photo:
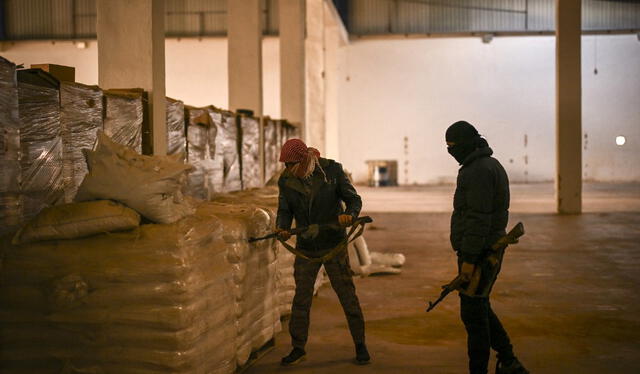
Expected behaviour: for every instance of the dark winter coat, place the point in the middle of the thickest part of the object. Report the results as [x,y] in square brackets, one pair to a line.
[480,205]
[314,201]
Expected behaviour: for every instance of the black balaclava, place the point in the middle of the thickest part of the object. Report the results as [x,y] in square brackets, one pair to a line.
[465,138]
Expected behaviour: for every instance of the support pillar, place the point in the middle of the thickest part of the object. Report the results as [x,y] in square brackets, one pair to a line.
[131,55]
[245,55]
[292,15]
[568,107]
[315,67]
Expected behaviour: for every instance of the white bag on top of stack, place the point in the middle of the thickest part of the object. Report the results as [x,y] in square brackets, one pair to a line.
[151,185]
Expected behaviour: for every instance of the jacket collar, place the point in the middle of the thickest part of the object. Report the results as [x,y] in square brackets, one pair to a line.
[478,153]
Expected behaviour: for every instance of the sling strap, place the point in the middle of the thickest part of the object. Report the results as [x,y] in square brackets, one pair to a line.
[355,231]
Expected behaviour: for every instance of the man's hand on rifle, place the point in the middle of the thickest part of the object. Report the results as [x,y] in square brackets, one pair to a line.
[345,220]
[466,271]
[283,235]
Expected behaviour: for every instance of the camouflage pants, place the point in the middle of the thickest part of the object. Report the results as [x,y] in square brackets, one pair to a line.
[305,273]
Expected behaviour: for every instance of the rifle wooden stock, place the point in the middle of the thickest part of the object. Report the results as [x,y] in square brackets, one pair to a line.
[485,274]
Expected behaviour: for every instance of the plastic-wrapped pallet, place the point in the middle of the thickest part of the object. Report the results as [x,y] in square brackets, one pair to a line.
[81,118]
[207,177]
[10,170]
[40,141]
[267,198]
[157,299]
[250,151]
[176,139]
[124,116]
[271,150]
[258,318]
[227,143]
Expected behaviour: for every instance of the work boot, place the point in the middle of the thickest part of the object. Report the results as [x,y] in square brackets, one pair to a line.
[514,367]
[294,357]
[362,355]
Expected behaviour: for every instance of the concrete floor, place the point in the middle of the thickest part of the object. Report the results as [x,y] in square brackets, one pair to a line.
[567,295]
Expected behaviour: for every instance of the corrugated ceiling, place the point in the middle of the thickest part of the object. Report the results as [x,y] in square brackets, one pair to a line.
[71,19]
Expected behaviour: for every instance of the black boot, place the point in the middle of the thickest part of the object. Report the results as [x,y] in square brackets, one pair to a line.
[514,367]
[362,355]
[294,357]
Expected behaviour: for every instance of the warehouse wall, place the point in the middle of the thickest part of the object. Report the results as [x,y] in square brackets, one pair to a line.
[196,70]
[387,89]
[415,88]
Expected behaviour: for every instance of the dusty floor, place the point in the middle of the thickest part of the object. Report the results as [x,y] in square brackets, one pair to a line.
[568,293]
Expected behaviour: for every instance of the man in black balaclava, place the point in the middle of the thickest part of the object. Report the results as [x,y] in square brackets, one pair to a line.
[479,219]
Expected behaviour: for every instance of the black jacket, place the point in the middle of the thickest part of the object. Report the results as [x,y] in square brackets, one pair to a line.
[480,205]
[315,201]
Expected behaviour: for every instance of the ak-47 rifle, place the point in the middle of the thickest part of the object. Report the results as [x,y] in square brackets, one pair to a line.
[490,266]
[311,230]
[357,228]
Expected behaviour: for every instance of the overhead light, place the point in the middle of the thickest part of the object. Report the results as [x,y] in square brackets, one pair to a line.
[487,38]
[82,45]
[620,140]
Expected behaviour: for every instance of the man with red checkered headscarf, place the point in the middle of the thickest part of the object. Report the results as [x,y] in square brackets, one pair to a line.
[312,191]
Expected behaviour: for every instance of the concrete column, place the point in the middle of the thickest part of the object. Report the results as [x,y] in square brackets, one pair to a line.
[335,39]
[292,16]
[131,55]
[315,84]
[568,107]
[244,30]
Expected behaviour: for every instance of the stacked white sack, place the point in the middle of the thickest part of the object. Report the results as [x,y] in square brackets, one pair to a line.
[257,318]
[152,300]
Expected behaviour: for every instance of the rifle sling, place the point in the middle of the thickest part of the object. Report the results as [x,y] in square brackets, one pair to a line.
[356,230]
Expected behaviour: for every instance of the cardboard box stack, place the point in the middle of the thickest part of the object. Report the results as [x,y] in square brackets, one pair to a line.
[81,118]
[250,151]
[40,141]
[124,117]
[176,138]
[227,143]
[207,178]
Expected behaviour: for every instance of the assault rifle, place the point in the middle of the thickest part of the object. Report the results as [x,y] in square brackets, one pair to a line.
[312,230]
[485,274]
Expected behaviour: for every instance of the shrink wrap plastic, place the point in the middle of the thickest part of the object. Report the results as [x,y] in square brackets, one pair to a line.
[267,199]
[250,151]
[81,118]
[176,139]
[10,171]
[272,147]
[188,297]
[254,275]
[207,177]
[226,141]
[41,147]
[123,118]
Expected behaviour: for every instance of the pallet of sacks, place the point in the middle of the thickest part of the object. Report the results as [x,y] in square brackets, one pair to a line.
[267,199]
[187,297]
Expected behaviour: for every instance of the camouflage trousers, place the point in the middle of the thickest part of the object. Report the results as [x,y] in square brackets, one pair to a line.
[305,273]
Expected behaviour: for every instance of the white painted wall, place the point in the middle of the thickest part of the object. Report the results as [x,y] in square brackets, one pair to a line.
[196,70]
[417,87]
[384,90]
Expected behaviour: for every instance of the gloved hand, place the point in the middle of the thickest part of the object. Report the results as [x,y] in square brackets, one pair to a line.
[345,219]
[283,235]
[466,271]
